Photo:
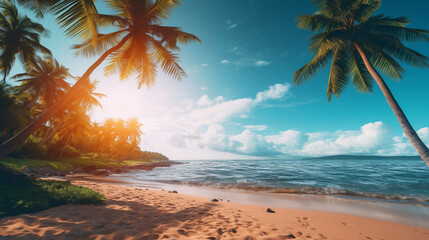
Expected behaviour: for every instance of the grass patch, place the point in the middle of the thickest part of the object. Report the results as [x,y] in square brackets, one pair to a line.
[68,163]
[42,194]
[17,163]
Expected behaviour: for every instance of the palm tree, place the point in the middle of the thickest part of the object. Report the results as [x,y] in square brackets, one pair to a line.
[106,136]
[139,45]
[45,80]
[133,130]
[134,133]
[87,97]
[76,125]
[83,101]
[18,36]
[359,44]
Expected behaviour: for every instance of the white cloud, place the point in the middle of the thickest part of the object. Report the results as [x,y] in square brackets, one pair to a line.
[287,141]
[204,101]
[231,25]
[204,65]
[204,88]
[212,127]
[241,57]
[219,99]
[256,127]
[261,63]
[371,138]
[424,134]
[224,61]
[274,92]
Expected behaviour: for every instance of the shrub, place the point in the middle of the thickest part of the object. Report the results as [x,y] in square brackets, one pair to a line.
[30,149]
[40,195]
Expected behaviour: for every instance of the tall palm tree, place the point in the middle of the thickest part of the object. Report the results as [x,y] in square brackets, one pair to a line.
[360,43]
[45,80]
[18,36]
[139,45]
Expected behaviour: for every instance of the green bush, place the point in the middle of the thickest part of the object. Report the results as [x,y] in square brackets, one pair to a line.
[40,195]
[30,149]
[55,150]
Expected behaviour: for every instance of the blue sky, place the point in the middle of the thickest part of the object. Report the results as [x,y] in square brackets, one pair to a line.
[238,100]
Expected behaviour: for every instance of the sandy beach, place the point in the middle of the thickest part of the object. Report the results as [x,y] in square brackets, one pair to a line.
[134,213]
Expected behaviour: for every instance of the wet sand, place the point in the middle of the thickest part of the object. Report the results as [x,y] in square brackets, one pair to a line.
[135,213]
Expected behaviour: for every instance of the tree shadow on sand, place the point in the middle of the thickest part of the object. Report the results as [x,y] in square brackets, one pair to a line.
[118,219]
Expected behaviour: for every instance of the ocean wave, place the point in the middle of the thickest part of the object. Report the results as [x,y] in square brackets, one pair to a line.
[327,191]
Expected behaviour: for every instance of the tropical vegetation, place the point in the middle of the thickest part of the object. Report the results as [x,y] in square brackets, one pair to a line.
[40,195]
[139,43]
[359,45]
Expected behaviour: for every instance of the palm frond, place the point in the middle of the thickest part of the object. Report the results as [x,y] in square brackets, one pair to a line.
[338,76]
[361,78]
[39,7]
[173,35]
[385,63]
[99,45]
[365,8]
[318,23]
[315,65]
[167,59]
[328,40]
[105,20]
[78,17]
[161,10]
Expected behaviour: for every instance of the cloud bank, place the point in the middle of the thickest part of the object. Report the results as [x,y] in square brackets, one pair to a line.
[212,126]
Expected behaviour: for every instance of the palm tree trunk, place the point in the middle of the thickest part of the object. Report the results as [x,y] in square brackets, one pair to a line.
[64,147]
[20,138]
[409,131]
[52,132]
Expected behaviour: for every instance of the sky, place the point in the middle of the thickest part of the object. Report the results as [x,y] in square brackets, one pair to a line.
[238,100]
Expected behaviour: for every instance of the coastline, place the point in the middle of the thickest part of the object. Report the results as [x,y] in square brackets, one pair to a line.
[140,213]
[392,211]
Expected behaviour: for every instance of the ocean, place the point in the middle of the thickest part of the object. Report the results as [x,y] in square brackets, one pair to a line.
[399,181]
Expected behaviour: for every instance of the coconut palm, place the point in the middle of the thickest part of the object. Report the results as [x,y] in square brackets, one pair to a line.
[84,101]
[18,36]
[133,130]
[107,136]
[76,124]
[139,45]
[360,44]
[87,98]
[45,80]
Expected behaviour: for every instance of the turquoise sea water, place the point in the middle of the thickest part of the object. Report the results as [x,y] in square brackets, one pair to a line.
[387,180]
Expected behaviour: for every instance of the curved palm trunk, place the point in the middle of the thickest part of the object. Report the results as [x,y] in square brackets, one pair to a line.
[409,131]
[20,138]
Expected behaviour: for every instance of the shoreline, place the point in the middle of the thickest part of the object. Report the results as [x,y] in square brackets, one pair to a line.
[135,213]
[397,211]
